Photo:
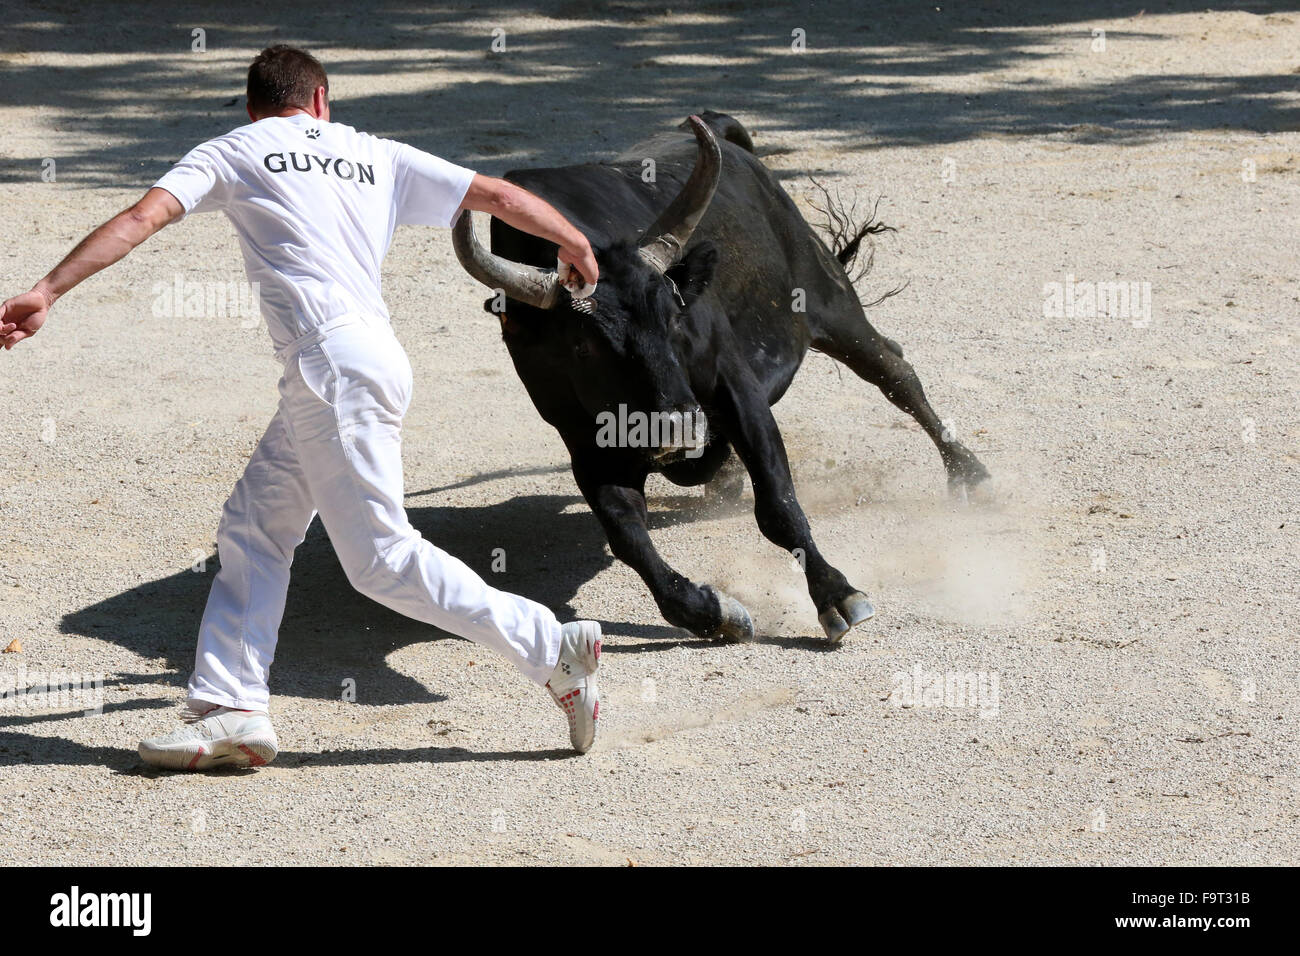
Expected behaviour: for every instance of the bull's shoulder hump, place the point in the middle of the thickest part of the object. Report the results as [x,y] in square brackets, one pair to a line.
[598,198]
[726,127]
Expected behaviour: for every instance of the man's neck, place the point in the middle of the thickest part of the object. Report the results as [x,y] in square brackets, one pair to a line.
[287,112]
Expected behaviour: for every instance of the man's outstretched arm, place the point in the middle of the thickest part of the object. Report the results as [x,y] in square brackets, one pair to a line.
[532,214]
[23,315]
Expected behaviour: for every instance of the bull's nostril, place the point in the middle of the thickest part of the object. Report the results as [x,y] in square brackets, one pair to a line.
[678,429]
[695,428]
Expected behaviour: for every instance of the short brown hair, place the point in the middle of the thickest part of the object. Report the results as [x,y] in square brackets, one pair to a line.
[283,76]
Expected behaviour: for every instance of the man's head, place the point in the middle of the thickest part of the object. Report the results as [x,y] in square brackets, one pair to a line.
[283,80]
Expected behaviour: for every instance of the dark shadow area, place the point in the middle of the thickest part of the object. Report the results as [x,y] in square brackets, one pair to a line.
[487,476]
[10,719]
[19,748]
[330,632]
[386,755]
[24,749]
[602,76]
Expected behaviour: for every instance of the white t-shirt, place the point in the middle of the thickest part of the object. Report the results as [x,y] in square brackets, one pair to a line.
[315,205]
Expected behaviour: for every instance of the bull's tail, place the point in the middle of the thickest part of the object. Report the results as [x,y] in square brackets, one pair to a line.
[728,127]
[847,233]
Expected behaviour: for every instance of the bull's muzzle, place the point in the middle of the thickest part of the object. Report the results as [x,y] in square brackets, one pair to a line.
[683,433]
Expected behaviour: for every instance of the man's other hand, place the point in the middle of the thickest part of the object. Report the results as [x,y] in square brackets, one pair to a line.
[22,317]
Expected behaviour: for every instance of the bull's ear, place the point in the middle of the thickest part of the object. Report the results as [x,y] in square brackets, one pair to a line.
[694,273]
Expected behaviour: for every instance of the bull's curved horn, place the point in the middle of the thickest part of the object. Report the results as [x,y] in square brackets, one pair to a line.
[661,245]
[524,283]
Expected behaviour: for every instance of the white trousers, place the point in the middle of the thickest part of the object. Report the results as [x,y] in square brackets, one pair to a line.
[334,448]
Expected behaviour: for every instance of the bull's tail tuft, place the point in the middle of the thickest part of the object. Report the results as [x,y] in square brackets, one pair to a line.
[848,233]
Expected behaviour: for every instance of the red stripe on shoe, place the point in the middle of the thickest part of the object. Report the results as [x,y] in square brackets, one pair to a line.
[197,757]
[253,759]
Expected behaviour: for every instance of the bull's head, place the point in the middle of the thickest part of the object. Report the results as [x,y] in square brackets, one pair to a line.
[629,339]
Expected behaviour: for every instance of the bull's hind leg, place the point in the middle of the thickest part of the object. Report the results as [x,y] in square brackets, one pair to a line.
[618,501]
[849,338]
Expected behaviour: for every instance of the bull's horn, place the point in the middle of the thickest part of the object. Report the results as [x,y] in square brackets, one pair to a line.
[524,283]
[661,245]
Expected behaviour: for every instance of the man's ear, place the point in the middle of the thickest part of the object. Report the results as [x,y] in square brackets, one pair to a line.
[694,273]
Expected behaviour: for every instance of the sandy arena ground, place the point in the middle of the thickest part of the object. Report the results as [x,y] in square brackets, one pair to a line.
[1129,579]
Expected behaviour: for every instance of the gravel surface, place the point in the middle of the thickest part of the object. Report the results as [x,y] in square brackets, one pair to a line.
[1128,579]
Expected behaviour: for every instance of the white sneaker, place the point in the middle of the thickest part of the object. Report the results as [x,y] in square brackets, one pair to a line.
[213,737]
[573,685]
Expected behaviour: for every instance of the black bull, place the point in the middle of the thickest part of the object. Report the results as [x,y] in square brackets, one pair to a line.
[713,288]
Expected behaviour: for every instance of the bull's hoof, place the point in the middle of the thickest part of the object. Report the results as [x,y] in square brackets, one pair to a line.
[965,474]
[846,614]
[959,492]
[737,626]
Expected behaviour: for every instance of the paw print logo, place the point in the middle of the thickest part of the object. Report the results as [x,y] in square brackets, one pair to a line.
[313,133]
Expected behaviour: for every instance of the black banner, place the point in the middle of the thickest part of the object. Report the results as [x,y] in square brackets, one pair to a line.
[1225,907]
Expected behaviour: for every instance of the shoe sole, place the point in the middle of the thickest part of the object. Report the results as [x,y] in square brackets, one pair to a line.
[254,750]
[594,690]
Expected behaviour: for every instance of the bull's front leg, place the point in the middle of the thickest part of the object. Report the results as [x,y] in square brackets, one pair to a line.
[619,505]
[757,440]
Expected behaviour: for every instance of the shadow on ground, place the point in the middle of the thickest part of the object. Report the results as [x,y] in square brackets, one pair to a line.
[331,632]
[26,749]
[605,75]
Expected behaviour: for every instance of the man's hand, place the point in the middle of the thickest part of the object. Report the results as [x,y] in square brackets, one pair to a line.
[583,262]
[521,209]
[22,316]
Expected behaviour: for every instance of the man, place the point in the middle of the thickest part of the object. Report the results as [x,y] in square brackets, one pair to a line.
[314,204]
